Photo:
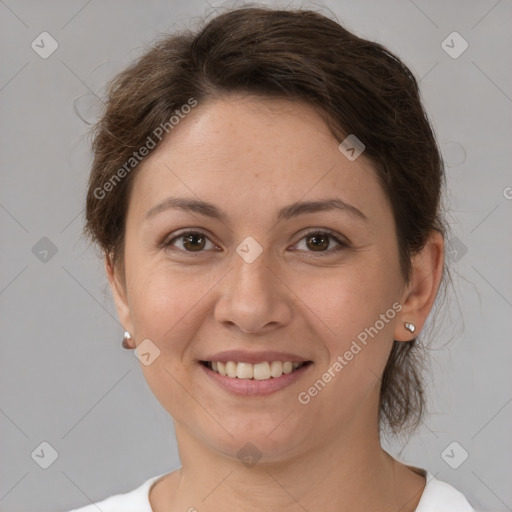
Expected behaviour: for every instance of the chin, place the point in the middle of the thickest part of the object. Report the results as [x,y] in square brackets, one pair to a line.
[267,438]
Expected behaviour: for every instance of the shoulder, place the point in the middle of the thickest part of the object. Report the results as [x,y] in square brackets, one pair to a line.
[440,496]
[133,501]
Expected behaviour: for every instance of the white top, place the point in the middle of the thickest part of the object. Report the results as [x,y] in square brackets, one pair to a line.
[437,496]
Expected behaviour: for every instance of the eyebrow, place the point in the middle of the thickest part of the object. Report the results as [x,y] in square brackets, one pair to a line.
[210,210]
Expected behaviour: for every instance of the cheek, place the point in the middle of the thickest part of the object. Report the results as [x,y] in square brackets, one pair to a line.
[348,299]
[354,317]
[355,308]
[164,306]
[165,309]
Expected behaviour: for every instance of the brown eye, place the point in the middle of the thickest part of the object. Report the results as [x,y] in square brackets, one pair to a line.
[194,242]
[319,241]
[191,241]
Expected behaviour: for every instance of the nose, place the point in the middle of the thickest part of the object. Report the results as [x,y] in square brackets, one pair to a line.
[253,297]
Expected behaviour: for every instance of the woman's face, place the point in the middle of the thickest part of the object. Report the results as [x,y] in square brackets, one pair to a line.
[264,280]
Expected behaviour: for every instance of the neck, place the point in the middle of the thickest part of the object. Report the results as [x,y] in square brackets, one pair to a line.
[349,472]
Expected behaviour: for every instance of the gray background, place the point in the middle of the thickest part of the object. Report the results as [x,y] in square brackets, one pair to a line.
[64,377]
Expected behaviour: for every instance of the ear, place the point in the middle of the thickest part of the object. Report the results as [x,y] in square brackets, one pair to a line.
[120,297]
[419,294]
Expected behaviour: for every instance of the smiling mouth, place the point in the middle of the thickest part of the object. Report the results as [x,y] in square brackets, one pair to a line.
[265,370]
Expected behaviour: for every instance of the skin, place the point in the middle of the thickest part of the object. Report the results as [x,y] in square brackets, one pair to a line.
[251,156]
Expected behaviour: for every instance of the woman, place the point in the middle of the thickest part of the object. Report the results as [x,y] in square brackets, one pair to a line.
[266,192]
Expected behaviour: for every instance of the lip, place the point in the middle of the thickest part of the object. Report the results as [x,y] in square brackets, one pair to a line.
[252,387]
[244,356]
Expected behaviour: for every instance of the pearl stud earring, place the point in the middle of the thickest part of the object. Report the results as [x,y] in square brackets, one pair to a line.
[126,337]
[410,327]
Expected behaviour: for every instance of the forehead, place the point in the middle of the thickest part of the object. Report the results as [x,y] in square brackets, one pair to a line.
[253,152]
[243,127]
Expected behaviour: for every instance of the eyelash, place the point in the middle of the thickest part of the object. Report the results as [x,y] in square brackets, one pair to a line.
[341,243]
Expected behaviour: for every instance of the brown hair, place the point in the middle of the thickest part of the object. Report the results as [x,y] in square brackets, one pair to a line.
[357,85]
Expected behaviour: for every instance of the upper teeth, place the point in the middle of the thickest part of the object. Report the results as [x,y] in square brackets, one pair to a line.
[258,371]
